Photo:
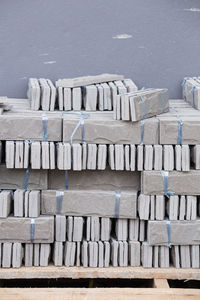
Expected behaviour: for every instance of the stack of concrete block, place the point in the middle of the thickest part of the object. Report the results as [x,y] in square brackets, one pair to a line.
[76,157]
[88,241]
[142,104]
[82,241]
[21,154]
[42,94]
[26,203]
[175,207]
[191,91]
[89,93]
[92,93]
[143,207]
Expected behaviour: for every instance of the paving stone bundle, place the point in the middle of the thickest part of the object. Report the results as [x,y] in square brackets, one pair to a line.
[191,91]
[141,104]
[32,203]
[91,97]
[27,203]
[17,254]
[90,93]
[181,233]
[91,202]
[178,183]
[96,173]
[161,256]
[173,207]
[31,126]
[42,93]
[66,156]
[26,230]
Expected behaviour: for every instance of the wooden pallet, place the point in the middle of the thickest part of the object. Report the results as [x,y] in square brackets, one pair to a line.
[160,287]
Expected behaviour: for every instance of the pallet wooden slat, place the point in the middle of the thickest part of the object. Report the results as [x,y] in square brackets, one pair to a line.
[111,272]
[98,293]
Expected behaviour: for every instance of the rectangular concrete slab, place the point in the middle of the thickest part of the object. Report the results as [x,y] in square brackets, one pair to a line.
[19,230]
[110,131]
[181,232]
[14,179]
[90,203]
[87,80]
[21,126]
[180,183]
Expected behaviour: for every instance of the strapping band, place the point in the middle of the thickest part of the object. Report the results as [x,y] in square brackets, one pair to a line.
[26,179]
[117,203]
[142,132]
[168,224]
[83,91]
[165,180]
[179,139]
[180,123]
[80,123]
[32,230]
[44,125]
[59,198]
[183,82]
[66,180]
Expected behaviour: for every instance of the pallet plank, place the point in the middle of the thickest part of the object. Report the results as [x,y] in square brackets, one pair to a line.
[98,293]
[111,272]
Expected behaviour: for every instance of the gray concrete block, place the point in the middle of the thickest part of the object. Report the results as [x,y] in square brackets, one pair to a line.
[134,253]
[17,255]
[60,228]
[7,255]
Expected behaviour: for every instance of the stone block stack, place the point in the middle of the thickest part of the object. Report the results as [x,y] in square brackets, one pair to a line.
[96,173]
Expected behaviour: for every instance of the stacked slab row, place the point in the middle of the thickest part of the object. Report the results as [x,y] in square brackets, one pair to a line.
[93,188]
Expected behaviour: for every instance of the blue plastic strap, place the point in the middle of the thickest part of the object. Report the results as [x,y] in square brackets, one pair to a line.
[142,132]
[180,123]
[143,107]
[83,90]
[82,131]
[73,133]
[26,179]
[66,180]
[169,233]
[117,203]
[32,230]
[44,126]
[179,140]
[163,101]
[59,198]
[80,123]
[165,180]
[183,82]
[28,141]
